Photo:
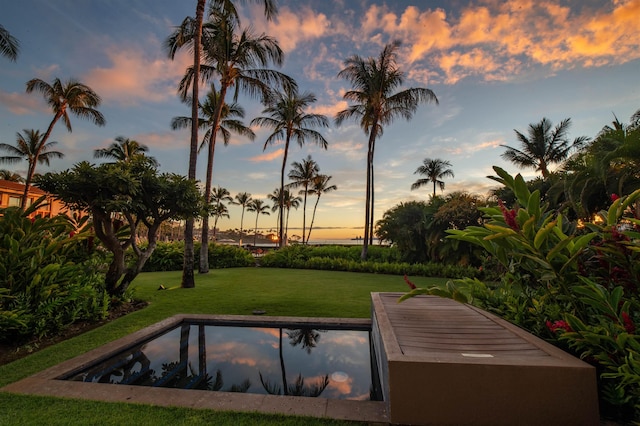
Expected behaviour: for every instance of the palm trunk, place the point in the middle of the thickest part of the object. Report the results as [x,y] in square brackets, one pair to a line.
[313,218]
[367,211]
[241,222]
[372,198]
[188,280]
[255,232]
[304,213]
[281,202]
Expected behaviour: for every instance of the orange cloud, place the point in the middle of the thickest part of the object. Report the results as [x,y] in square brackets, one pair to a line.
[22,103]
[269,156]
[291,28]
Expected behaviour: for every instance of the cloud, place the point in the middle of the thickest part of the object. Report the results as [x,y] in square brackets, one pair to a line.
[269,156]
[291,28]
[23,104]
[135,77]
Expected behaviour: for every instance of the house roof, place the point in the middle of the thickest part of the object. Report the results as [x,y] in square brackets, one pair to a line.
[19,187]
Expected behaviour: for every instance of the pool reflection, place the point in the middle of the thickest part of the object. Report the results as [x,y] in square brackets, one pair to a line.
[283,361]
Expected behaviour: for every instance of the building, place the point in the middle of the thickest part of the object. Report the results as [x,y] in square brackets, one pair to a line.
[11,194]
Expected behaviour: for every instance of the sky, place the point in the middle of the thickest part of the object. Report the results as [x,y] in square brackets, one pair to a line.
[495,66]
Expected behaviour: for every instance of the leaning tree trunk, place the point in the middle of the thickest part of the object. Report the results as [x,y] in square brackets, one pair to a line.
[188,280]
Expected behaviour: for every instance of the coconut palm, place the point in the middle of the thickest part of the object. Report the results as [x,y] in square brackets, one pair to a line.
[242,199]
[219,195]
[543,146]
[10,176]
[302,175]
[434,170]
[124,150]
[288,119]
[319,186]
[376,105]
[259,207]
[274,197]
[29,146]
[228,122]
[289,201]
[9,45]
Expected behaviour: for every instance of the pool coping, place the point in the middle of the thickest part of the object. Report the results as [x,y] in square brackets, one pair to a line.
[47,383]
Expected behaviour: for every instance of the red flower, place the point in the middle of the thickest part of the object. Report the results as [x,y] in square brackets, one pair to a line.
[509,216]
[411,285]
[71,234]
[628,323]
[558,325]
[614,197]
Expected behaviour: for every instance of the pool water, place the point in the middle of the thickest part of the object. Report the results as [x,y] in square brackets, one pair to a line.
[307,361]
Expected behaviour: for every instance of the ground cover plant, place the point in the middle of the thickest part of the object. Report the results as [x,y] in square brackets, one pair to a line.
[236,291]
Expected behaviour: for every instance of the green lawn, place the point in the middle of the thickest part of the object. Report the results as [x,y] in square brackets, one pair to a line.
[238,291]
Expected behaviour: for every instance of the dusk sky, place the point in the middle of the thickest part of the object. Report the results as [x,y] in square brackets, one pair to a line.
[495,66]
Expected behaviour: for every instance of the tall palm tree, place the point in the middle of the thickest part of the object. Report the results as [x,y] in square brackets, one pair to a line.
[10,176]
[434,170]
[259,207]
[288,119]
[228,122]
[319,186]
[274,197]
[289,201]
[9,45]
[219,195]
[242,199]
[124,150]
[29,146]
[543,146]
[375,105]
[302,175]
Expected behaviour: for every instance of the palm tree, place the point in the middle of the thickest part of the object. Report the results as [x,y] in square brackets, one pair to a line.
[302,175]
[289,202]
[219,195]
[289,121]
[274,197]
[29,146]
[543,146]
[10,176]
[434,170]
[375,105]
[259,207]
[242,199]
[9,45]
[228,122]
[124,150]
[319,186]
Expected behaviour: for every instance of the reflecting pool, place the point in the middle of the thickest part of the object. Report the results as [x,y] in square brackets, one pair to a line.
[307,361]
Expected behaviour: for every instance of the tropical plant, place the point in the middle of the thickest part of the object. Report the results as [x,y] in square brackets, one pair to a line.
[288,119]
[242,199]
[120,198]
[124,149]
[30,146]
[433,171]
[543,146]
[289,201]
[9,45]
[228,122]
[259,207]
[376,105]
[10,176]
[320,185]
[219,195]
[302,175]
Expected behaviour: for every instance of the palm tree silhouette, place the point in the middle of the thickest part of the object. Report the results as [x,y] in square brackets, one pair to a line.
[433,170]
[218,196]
[289,201]
[124,150]
[242,199]
[375,105]
[289,121]
[319,186]
[10,176]
[259,207]
[29,146]
[302,175]
[544,145]
[9,45]
[228,121]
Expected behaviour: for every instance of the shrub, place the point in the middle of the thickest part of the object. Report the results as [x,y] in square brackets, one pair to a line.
[43,288]
[170,257]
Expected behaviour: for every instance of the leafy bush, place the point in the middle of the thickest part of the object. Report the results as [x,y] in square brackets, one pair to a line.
[574,286]
[43,286]
[170,257]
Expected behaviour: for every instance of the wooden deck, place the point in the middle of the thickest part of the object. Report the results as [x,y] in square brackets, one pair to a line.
[446,363]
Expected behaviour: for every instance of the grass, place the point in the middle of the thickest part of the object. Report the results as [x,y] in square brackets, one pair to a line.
[237,291]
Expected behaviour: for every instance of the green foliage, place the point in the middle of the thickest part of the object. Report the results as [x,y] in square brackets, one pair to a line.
[48,280]
[170,257]
[575,287]
[382,260]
